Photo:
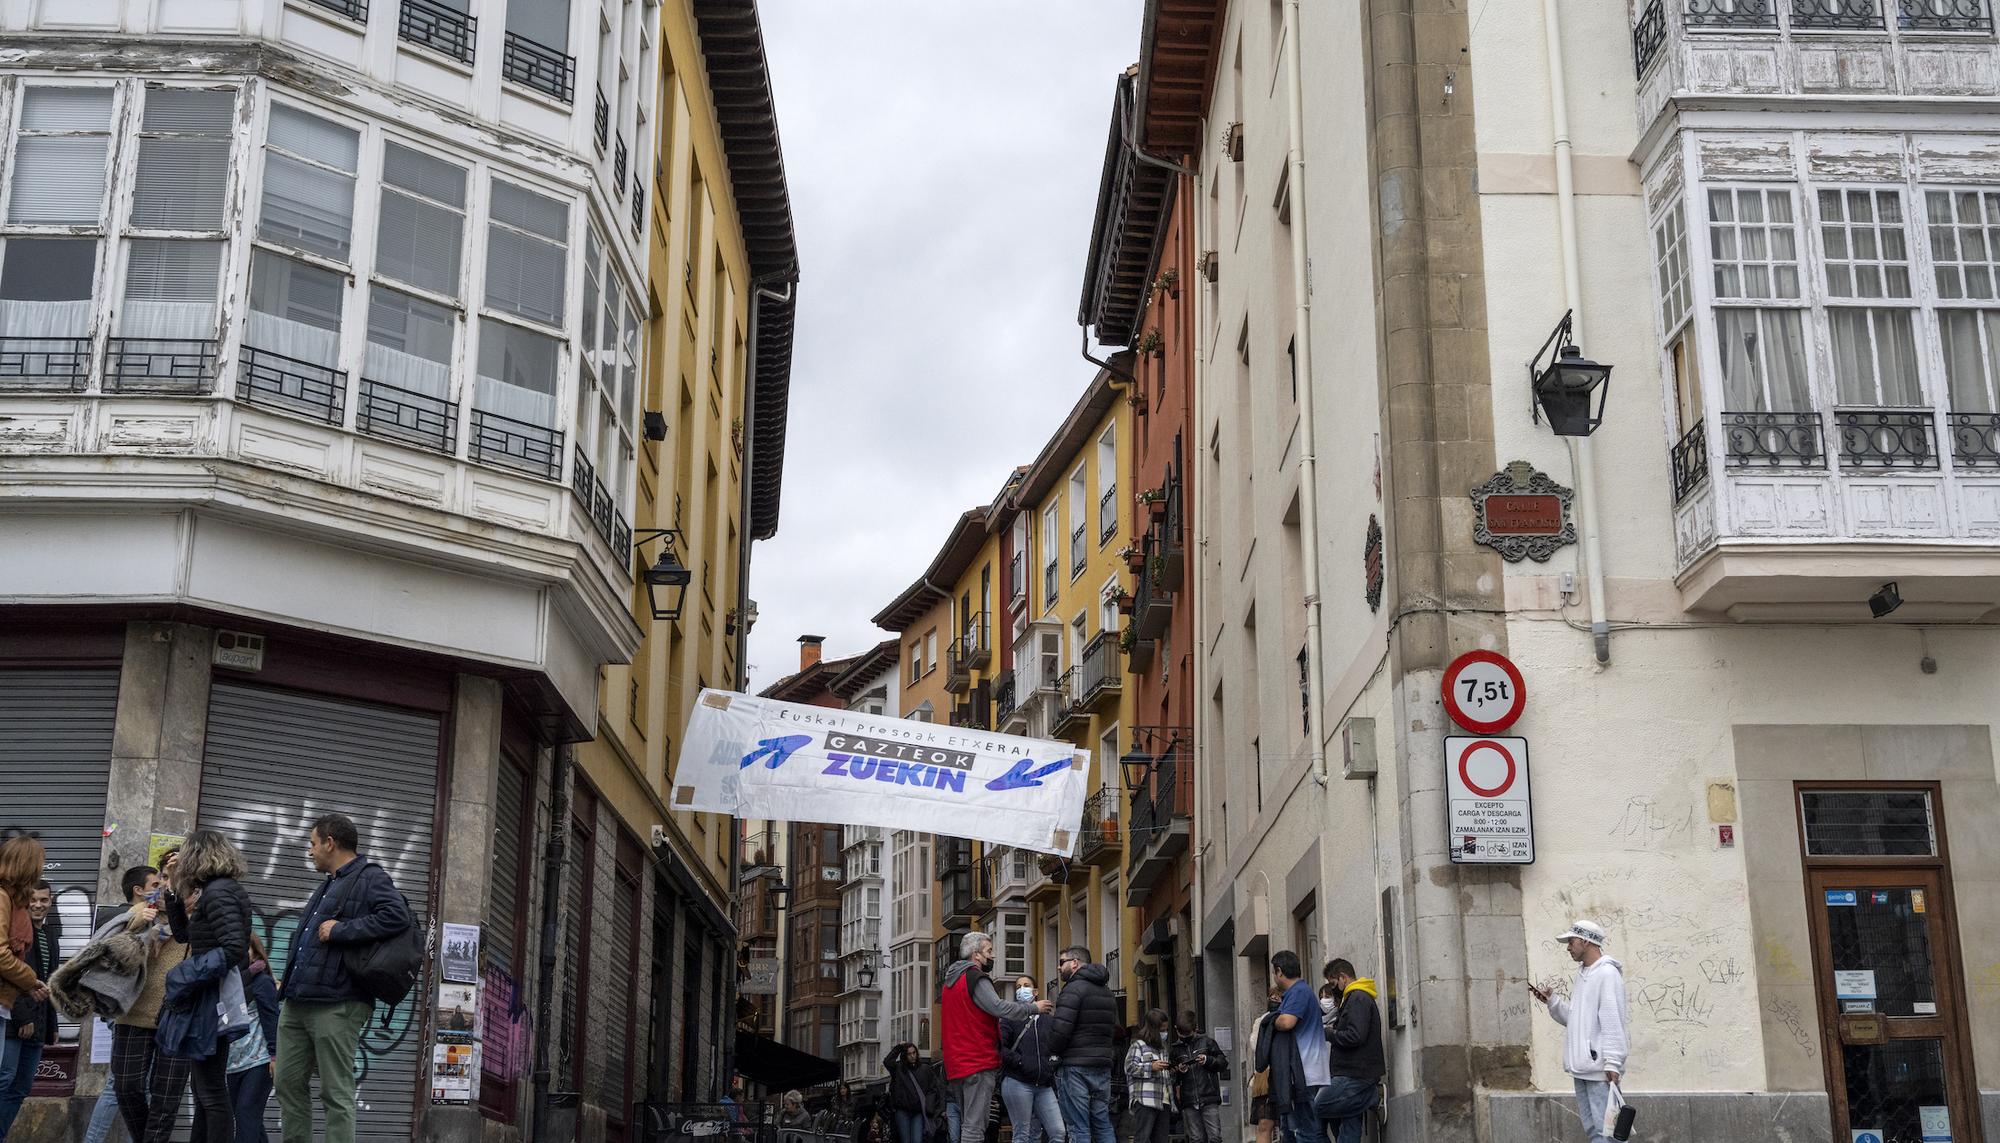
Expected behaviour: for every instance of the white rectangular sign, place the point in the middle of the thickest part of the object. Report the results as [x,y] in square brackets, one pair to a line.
[761,758]
[1488,811]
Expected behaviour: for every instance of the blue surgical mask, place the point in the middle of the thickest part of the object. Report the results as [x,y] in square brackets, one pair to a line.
[1024,995]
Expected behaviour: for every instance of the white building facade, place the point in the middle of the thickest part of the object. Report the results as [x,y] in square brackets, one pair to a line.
[325,317]
[1776,228]
[871,685]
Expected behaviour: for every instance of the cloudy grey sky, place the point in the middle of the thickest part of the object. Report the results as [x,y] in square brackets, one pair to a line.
[943,157]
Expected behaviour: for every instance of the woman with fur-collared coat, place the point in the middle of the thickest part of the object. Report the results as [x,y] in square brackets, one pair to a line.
[205,871]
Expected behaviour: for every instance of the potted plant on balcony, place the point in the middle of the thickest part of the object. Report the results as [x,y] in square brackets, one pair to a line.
[1133,557]
[1054,868]
[1152,344]
[1169,282]
[1124,601]
[736,435]
[1154,502]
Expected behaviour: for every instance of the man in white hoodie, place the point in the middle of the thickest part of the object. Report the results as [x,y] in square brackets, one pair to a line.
[1594,1021]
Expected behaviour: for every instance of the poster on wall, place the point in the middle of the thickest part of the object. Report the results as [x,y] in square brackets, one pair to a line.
[457,1010]
[761,758]
[460,950]
[454,1073]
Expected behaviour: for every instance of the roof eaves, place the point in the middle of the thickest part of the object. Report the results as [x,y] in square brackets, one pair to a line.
[1071,436]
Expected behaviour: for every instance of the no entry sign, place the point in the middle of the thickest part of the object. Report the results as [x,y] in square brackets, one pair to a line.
[1484,692]
[1488,811]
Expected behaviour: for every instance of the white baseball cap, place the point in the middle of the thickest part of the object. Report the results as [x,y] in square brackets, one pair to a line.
[1589,930]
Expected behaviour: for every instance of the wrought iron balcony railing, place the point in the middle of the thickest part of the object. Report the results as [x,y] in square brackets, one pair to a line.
[439,27]
[1887,438]
[48,364]
[1690,461]
[274,380]
[1017,577]
[539,67]
[1098,671]
[355,10]
[1003,699]
[1975,440]
[1649,35]
[638,205]
[1837,15]
[1100,824]
[602,120]
[1107,513]
[619,156]
[519,445]
[1078,550]
[408,416]
[1737,14]
[582,480]
[160,365]
[1773,440]
[1049,582]
[1945,16]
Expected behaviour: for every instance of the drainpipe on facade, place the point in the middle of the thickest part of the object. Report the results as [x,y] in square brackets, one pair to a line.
[758,296]
[553,857]
[1582,460]
[1308,461]
[1198,703]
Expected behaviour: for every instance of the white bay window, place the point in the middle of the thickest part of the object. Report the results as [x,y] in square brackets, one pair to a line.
[309,169]
[56,185]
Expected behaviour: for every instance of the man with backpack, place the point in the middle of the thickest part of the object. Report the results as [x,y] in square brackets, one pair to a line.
[354,912]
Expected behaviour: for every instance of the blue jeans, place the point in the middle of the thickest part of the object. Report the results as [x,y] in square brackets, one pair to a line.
[249,1093]
[1592,1097]
[910,1126]
[103,1115]
[1085,1096]
[18,1061]
[1344,1103]
[1303,1121]
[1034,1111]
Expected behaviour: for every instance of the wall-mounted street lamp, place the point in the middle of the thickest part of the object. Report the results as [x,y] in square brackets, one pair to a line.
[667,580]
[1570,388]
[866,973]
[1137,765]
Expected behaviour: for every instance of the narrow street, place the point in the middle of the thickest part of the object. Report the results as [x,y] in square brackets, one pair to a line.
[1121,571]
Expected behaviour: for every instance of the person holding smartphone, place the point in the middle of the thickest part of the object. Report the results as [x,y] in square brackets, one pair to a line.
[1593,1019]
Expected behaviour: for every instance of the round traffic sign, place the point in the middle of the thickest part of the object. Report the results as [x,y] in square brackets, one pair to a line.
[1465,769]
[1484,692]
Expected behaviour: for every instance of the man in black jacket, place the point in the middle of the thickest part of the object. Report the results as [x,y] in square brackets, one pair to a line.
[1201,1067]
[320,1024]
[1080,1037]
[1354,1055]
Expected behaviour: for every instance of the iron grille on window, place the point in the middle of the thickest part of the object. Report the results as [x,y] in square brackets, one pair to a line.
[638,205]
[1731,14]
[277,381]
[1838,15]
[1077,550]
[1017,576]
[1773,440]
[356,10]
[601,514]
[618,157]
[406,415]
[603,120]
[1690,461]
[1887,438]
[1975,440]
[543,68]
[1049,581]
[46,363]
[1649,35]
[159,365]
[438,27]
[519,445]
[1945,16]
[1107,513]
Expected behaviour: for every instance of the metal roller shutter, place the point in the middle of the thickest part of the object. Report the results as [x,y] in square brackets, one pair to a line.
[55,769]
[276,760]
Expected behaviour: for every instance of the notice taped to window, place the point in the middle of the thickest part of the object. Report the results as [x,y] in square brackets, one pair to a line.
[1489,813]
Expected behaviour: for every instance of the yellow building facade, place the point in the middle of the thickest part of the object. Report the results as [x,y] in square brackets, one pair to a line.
[716,356]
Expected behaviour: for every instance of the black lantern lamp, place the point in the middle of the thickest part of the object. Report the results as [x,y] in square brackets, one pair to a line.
[1570,388]
[1137,765]
[667,580]
[866,973]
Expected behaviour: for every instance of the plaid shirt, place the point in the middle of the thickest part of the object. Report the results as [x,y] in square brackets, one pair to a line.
[1149,1088]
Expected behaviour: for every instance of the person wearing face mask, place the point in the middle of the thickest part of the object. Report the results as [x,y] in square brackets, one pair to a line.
[1261,1113]
[972,1011]
[1082,1036]
[1028,1083]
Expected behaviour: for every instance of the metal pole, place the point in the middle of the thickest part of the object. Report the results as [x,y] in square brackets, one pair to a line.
[553,856]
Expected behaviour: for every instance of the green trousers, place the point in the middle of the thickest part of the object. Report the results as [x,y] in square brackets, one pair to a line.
[322,1038]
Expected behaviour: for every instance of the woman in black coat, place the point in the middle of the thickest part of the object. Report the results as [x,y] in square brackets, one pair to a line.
[915,1098]
[205,873]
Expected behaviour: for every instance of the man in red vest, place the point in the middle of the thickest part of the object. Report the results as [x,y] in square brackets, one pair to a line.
[972,1014]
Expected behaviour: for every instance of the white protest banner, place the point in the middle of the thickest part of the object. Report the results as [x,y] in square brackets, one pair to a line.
[761,758]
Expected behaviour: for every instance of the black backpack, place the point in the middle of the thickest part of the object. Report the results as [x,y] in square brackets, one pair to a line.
[387,970]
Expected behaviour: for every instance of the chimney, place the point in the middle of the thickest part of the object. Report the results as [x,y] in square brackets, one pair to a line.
[809,650]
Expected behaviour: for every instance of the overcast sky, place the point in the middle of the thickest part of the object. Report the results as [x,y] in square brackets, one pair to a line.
[943,157]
